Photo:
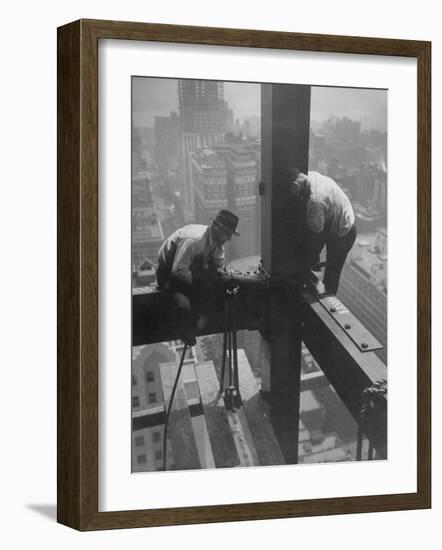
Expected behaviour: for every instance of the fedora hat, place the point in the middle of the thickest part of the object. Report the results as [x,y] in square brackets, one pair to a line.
[227,220]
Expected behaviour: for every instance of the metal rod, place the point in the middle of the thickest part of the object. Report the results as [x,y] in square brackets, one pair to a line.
[370,450]
[172,395]
[229,328]
[224,356]
[235,346]
[359,445]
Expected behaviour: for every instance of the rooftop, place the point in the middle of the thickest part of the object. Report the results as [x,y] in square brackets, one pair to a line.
[150,230]
[242,149]
[207,159]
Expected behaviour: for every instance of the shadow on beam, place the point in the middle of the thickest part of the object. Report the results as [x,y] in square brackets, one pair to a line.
[153,317]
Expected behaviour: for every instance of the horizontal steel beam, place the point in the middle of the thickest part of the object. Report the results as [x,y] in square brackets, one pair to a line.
[153,318]
[313,380]
[349,369]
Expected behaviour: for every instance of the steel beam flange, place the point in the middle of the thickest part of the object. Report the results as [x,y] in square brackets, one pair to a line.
[363,339]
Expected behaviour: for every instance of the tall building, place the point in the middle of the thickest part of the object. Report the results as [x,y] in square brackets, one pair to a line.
[203,116]
[242,179]
[371,188]
[148,400]
[149,367]
[209,176]
[147,231]
[342,130]
[143,139]
[167,133]
[363,284]
[227,177]
[254,147]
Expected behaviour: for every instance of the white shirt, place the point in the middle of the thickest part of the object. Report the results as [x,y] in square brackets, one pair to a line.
[179,251]
[328,206]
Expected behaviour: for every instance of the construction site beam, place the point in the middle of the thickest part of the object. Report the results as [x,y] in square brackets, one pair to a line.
[349,370]
[154,320]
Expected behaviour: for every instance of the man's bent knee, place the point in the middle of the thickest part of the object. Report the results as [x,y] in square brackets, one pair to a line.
[181,302]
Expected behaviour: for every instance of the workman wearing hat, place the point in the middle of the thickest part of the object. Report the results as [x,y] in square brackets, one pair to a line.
[188,264]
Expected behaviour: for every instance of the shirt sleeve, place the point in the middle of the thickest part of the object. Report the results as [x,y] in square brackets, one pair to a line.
[184,257]
[316,216]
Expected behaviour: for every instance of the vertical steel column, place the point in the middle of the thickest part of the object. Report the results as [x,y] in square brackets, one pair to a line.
[285,131]
[285,120]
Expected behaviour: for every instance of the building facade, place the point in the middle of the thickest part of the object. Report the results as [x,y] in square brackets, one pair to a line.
[242,179]
[148,398]
[147,231]
[363,285]
[167,140]
[209,176]
[203,119]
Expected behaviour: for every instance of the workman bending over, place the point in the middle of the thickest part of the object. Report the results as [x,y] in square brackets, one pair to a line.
[329,220]
[189,262]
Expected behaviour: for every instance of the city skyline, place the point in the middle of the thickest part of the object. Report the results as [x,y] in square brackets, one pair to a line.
[159,97]
[196,186]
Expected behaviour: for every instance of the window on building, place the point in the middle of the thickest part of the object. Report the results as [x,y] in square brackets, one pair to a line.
[150,376]
[156,437]
[139,441]
[152,397]
[135,401]
[158,455]
[141,459]
[134,380]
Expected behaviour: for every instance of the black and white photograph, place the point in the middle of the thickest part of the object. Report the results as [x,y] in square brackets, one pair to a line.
[220,228]
[259,274]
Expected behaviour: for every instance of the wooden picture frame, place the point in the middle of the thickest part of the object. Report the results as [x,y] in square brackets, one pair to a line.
[77,459]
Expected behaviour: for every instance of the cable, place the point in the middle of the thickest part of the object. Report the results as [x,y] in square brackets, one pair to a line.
[169,408]
[230,351]
[224,356]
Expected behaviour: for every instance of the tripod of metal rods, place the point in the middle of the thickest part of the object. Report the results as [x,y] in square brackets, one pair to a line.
[169,408]
[230,351]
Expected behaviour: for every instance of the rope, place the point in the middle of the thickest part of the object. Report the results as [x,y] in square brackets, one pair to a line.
[369,404]
[223,369]
[230,347]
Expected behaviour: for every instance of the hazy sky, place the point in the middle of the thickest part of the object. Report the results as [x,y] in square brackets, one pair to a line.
[366,106]
[159,96]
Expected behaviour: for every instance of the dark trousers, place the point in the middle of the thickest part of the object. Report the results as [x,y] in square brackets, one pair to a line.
[181,302]
[184,313]
[337,251]
[187,302]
